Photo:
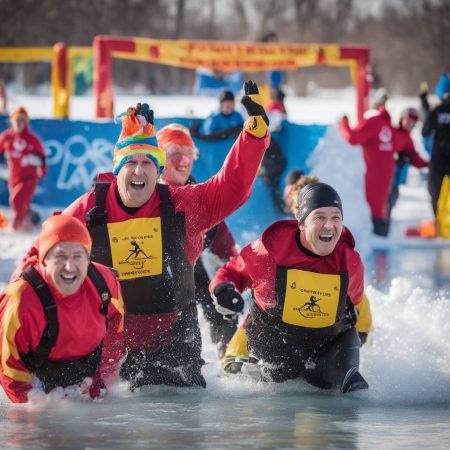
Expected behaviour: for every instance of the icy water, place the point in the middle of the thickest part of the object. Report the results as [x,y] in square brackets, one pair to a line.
[258,419]
[406,362]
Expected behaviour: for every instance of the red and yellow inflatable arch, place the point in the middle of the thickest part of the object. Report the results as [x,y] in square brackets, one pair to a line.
[225,56]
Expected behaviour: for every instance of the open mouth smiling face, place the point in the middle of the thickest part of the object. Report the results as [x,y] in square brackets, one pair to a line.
[322,230]
[66,265]
[136,180]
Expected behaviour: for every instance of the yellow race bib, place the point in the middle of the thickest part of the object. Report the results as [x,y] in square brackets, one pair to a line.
[136,247]
[311,299]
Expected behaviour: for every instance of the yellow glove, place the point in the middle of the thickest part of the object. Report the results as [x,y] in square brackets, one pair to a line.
[258,122]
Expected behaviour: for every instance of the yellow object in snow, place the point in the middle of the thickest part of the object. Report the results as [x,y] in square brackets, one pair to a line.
[443,209]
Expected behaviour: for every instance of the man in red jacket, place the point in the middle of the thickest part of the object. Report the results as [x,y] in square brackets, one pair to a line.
[26,163]
[153,235]
[62,320]
[306,278]
[181,153]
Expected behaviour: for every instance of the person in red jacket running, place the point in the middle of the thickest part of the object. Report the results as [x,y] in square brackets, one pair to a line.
[153,235]
[181,153]
[62,320]
[375,134]
[306,278]
[26,162]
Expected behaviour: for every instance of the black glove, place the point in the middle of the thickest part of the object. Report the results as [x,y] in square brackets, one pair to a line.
[227,300]
[258,122]
[144,110]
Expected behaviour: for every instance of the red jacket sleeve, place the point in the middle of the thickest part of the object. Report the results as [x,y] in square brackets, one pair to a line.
[227,190]
[358,135]
[14,376]
[356,278]
[223,244]
[113,343]
[234,271]
[409,151]
[38,146]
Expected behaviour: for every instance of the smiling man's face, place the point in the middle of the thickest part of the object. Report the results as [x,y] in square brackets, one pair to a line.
[136,181]
[321,230]
[66,264]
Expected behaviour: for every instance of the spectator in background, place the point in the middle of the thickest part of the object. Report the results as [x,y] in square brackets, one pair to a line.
[289,182]
[26,163]
[375,134]
[405,153]
[276,111]
[181,153]
[437,126]
[62,320]
[223,124]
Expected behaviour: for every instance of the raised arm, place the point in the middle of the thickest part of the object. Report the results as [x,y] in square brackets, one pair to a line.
[226,191]
[355,136]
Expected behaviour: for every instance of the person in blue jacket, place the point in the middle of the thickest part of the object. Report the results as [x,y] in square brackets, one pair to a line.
[224,123]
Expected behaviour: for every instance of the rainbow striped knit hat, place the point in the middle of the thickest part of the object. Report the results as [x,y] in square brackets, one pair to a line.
[137,137]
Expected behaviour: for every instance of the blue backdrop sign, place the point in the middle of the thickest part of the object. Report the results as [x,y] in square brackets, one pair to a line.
[78,150]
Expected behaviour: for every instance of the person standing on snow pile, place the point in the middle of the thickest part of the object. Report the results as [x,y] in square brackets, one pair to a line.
[62,320]
[223,124]
[153,235]
[181,152]
[437,126]
[26,163]
[375,134]
[306,278]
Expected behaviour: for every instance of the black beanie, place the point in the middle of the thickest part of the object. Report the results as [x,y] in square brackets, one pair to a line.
[316,195]
[226,95]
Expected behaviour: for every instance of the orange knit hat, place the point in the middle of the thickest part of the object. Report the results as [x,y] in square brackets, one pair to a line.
[137,137]
[62,228]
[174,134]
